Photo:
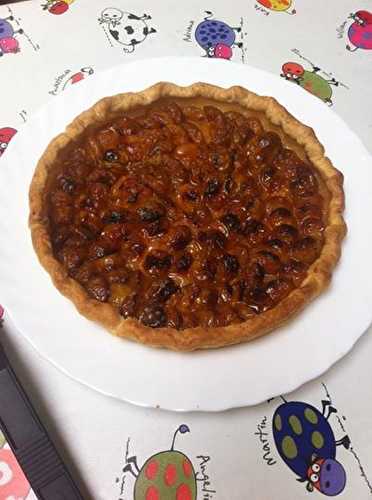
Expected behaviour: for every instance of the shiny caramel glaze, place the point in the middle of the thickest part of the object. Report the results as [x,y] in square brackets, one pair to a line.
[183,215]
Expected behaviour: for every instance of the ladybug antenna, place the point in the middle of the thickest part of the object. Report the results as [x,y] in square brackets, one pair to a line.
[283,398]
[292,12]
[182,429]
[209,16]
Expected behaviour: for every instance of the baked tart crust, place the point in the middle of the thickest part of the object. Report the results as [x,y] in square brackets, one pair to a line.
[197,337]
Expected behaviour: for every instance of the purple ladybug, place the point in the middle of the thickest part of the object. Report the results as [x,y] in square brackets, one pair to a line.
[216,37]
[306,443]
[8,43]
[6,29]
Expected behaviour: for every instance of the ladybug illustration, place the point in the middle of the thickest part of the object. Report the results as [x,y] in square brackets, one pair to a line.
[6,135]
[216,37]
[77,77]
[278,5]
[8,43]
[310,80]
[57,7]
[168,475]
[360,32]
[306,443]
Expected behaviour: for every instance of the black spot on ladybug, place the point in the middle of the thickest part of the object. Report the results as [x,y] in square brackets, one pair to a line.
[129,30]
[114,34]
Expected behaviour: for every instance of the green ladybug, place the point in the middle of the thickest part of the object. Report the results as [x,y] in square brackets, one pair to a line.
[309,80]
[168,475]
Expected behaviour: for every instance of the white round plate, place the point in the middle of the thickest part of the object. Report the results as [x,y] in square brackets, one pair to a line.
[211,380]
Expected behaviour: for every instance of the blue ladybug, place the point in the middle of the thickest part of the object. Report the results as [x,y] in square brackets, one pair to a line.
[306,443]
[216,37]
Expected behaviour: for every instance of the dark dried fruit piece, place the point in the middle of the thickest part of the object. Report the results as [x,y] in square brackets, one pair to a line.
[228,186]
[268,176]
[213,187]
[213,237]
[97,250]
[184,262]
[98,288]
[191,195]
[158,260]
[67,185]
[278,289]
[294,269]
[269,261]
[147,214]
[60,235]
[165,290]
[114,217]
[153,316]
[258,296]
[181,238]
[276,244]
[72,257]
[111,156]
[231,221]
[157,228]
[253,228]
[210,268]
[138,248]
[220,158]
[287,233]
[231,263]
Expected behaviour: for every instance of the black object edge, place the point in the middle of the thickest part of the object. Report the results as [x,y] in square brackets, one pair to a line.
[28,439]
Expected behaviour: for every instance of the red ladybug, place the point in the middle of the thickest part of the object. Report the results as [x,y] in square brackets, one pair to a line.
[57,7]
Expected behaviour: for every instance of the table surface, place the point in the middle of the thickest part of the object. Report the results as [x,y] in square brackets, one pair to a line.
[233,453]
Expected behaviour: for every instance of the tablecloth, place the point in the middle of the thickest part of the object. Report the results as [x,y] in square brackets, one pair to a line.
[47,47]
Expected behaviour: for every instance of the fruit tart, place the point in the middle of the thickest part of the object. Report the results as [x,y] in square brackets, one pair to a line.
[187,217]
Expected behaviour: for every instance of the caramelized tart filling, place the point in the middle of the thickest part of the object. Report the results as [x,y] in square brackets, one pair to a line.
[186,215]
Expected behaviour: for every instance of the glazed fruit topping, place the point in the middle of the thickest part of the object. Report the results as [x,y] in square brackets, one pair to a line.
[182,216]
